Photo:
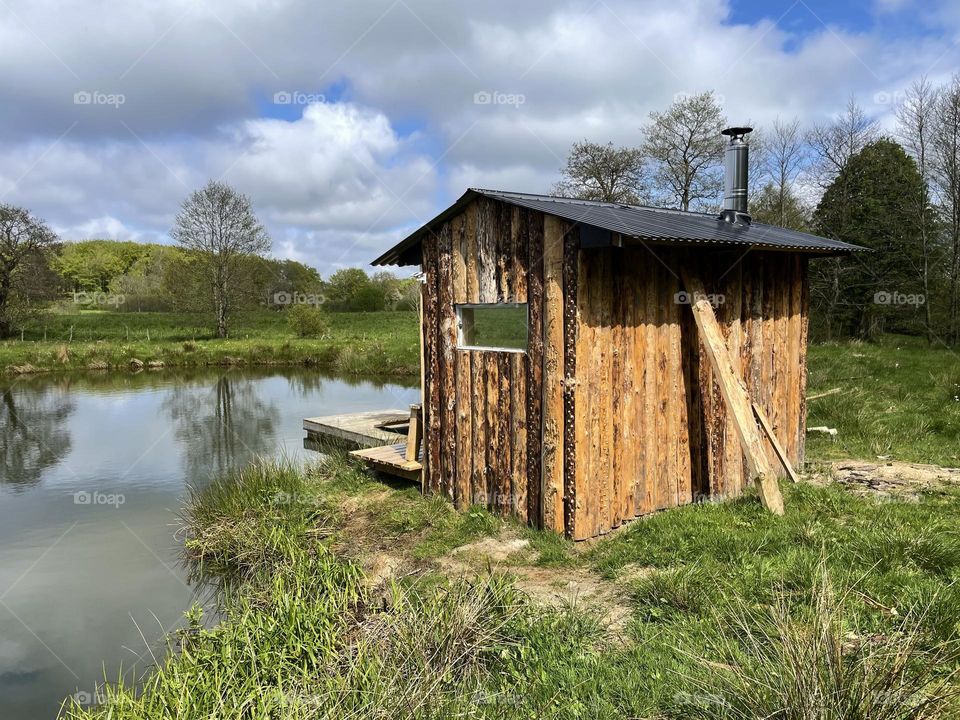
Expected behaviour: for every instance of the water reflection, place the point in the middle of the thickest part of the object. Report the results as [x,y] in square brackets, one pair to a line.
[218,423]
[34,435]
[80,581]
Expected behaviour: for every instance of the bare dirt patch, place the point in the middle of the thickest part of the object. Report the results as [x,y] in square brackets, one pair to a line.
[548,586]
[901,480]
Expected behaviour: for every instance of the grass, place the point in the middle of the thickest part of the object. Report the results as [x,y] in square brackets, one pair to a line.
[899,399]
[845,608]
[383,343]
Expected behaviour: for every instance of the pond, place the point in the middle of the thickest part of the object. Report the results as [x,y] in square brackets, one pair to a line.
[94,471]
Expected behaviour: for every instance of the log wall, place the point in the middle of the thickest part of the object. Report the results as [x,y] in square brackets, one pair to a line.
[610,413]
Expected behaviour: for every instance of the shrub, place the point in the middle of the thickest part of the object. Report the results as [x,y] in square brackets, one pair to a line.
[307,321]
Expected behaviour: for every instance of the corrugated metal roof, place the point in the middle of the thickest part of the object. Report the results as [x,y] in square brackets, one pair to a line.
[639,222]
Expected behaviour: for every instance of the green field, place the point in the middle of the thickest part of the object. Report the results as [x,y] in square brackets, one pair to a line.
[358,343]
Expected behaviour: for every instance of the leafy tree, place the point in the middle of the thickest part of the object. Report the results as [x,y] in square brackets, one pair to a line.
[24,242]
[686,148]
[603,172]
[351,289]
[219,224]
[93,264]
[871,203]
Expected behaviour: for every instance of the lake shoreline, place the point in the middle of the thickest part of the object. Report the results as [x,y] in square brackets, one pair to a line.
[381,343]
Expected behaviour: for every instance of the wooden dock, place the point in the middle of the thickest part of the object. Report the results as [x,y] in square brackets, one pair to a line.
[379,439]
[391,460]
[363,429]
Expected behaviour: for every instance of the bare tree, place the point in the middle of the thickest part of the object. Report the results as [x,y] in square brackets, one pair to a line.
[916,127]
[219,224]
[686,149]
[946,176]
[22,238]
[784,159]
[603,172]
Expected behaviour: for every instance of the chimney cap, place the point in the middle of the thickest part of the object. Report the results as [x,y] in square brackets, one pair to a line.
[736,132]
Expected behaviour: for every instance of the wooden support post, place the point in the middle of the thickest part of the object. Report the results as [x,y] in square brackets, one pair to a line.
[777,447]
[415,433]
[734,392]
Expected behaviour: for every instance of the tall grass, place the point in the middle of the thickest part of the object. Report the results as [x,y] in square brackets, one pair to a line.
[776,663]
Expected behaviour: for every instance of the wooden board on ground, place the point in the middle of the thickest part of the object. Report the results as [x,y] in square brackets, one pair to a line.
[361,429]
[391,460]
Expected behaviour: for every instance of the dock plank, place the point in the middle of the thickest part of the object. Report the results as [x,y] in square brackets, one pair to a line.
[391,460]
[364,429]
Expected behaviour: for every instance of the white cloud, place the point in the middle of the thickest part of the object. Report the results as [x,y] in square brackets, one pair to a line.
[401,134]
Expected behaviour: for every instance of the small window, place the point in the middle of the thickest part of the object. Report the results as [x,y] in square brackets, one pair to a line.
[495,326]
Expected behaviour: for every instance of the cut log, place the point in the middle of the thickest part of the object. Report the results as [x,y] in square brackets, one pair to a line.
[734,392]
[777,447]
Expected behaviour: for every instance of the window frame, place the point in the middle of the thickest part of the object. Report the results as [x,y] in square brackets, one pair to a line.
[464,346]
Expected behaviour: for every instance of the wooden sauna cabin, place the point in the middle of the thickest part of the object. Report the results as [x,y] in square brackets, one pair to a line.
[564,378]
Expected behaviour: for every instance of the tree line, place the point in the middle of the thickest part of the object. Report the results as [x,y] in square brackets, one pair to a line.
[896,193]
[217,267]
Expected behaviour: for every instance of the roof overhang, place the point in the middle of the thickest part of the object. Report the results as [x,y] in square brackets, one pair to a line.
[611,225]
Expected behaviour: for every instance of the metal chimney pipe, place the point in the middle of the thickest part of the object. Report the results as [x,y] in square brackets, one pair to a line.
[736,157]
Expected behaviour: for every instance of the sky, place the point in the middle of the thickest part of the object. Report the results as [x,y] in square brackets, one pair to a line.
[349,123]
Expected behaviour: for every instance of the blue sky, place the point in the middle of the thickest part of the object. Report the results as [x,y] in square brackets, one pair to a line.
[349,124]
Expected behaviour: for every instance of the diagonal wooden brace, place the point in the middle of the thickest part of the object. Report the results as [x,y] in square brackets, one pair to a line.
[734,392]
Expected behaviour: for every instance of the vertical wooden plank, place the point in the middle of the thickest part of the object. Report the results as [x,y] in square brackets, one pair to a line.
[478,388]
[651,476]
[433,436]
[518,412]
[604,381]
[641,425]
[794,332]
[733,452]
[518,398]
[503,240]
[781,360]
[627,417]
[666,489]
[553,368]
[493,429]
[464,399]
[504,436]
[571,324]
[534,366]
[681,369]
[447,341]
[768,356]
[470,255]
[618,429]
[671,477]
[586,498]
[804,339]
[487,249]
